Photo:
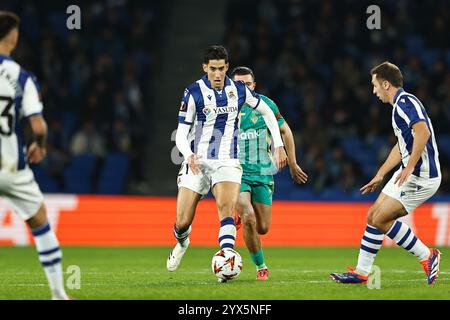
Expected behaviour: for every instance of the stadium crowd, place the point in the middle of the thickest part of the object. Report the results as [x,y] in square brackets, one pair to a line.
[95,85]
[314,59]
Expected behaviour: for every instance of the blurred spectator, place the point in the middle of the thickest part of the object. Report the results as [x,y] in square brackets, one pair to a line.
[316,68]
[88,141]
[95,81]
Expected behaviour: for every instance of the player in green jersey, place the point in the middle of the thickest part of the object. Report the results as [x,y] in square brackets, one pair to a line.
[257,185]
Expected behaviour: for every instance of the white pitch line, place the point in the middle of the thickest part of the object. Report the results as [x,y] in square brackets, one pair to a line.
[208,271]
[211,283]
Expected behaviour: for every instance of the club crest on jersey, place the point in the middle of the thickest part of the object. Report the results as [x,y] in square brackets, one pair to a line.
[254,118]
[183,106]
[206,111]
[231,95]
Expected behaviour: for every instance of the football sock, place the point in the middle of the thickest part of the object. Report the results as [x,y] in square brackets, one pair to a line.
[182,235]
[227,233]
[370,244]
[404,237]
[258,259]
[50,256]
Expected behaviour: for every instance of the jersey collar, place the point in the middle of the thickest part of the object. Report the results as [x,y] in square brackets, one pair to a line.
[4,57]
[397,95]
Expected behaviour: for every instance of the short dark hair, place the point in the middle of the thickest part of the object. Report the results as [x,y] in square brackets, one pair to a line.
[8,22]
[215,53]
[242,71]
[389,72]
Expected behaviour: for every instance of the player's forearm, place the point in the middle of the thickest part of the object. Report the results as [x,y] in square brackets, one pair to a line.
[392,160]
[420,140]
[39,130]
[271,122]
[289,143]
[182,142]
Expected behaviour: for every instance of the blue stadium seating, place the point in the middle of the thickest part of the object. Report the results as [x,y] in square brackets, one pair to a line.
[443,142]
[113,174]
[46,183]
[78,176]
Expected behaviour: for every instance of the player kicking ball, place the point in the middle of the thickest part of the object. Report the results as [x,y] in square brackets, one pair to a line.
[257,186]
[207,136]
[20,103]
[417,179]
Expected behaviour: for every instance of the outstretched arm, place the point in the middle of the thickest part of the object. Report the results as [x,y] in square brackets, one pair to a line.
[296,172]
[392,160]
[272,124]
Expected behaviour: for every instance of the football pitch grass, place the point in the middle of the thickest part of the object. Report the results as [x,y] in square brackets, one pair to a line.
[295,273]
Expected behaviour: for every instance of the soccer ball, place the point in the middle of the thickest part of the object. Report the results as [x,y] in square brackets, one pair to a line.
[226,264]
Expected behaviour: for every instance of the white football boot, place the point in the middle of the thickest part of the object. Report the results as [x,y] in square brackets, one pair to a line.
[174,259]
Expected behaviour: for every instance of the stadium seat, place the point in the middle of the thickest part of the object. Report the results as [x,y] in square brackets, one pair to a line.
[46,183]
[113,174]
[333,194]
[74,181]
[443,142]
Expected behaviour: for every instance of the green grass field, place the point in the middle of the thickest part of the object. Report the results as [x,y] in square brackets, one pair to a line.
[295,273]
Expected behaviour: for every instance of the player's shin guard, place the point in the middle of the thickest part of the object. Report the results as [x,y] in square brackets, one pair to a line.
[227,233]
[370,244]
[182,235]
[50,256]
[404,237]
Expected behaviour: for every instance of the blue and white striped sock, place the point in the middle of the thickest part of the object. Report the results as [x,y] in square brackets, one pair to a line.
[50,256]
[227,233]
[370,244]
[182,235]
[402,234]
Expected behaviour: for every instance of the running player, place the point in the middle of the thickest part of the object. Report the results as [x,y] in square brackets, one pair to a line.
[20,104]
[207,137]
[257,186]
[417,179]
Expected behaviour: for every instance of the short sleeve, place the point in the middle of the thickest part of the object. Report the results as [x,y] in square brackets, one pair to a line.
[186,115]
[251,98]
[31,100]
[412,110]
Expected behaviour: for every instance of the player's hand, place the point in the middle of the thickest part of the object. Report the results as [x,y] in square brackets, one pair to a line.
[35,154]
[372,185]
[403,176]
[280,157]
[193,162]
[297,174]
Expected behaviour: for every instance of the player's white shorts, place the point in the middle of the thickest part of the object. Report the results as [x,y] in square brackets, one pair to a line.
[413,192]
[22,192]
[212,172]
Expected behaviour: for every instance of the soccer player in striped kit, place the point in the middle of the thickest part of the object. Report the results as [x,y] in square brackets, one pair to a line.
[20,104]
[417,179]
[207,136]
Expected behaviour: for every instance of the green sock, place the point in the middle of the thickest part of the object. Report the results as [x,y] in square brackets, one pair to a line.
[258,259]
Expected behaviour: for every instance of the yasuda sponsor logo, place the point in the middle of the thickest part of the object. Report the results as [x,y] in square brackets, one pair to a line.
[221,110]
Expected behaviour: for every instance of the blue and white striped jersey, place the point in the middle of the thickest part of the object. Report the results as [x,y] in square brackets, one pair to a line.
[19,99]
[407,111]
[214,116]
